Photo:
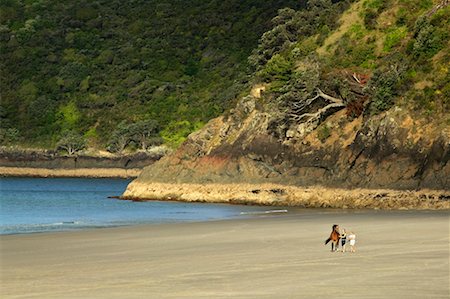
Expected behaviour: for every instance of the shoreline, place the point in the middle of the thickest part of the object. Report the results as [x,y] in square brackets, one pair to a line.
[16,162]
[69,173]
[262,257]
[290,196]
[291,213]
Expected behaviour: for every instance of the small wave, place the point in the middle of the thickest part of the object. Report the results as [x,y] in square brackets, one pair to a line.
[39,227]
[53,224]
[264,212]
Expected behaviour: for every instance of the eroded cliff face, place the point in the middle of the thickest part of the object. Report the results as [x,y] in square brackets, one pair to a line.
[391,150]
[318,116]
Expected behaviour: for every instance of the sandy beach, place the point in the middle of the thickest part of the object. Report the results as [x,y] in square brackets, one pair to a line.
[400,254]
[70,173]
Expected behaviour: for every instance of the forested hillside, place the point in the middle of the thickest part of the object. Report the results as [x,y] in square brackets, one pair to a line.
[119,74]
[344,94]
[384,53]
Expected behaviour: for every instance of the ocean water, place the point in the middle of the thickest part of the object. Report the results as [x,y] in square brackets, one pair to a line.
[30,205]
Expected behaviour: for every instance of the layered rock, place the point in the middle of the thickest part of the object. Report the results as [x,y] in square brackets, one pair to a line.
[237,158]
[391,150]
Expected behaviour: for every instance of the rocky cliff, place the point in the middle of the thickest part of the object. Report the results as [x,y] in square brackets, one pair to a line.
[391,150]
[366,107]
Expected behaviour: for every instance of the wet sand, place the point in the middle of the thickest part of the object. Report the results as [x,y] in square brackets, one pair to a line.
[401,254]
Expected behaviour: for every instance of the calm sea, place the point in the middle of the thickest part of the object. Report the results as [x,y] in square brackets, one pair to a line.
[29,205]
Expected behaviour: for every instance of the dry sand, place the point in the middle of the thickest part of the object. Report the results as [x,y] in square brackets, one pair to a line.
[402,254]
[63,172]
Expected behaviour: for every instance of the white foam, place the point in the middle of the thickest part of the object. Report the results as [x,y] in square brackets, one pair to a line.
[264,212]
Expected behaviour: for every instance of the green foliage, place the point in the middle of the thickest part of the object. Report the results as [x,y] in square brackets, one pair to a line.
[277,68]
[84,66]
[424,100]
[410,10]
[28,91]
[352,50]
[116,61]
[384,87]
[445,94]
[68,116]
[304,48]
[177,132]
[72,75]
[376,4]
[142,134]
[145,133]
[323,133]
[91,135]
[372,9]
[370,18]
[71,142]
[290,26]
[120,138]
[429,39]
[394,37]
[9,135]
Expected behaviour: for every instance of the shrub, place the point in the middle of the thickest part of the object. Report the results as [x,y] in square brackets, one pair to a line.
[370,18]
[429,41]
[383,87]
[373,8]
[304,48]
[177,132]
[323,133]
[394,37]
[9,135]
[277,68]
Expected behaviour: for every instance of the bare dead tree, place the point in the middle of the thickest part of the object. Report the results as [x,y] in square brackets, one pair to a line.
[317,115]
[299,111]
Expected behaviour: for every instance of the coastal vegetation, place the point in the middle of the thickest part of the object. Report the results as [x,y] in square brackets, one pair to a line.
[344,94]
[93,68]
[129,75]
[382,53]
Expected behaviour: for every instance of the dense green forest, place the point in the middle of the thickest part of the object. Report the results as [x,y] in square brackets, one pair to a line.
[96,70]
[135,73]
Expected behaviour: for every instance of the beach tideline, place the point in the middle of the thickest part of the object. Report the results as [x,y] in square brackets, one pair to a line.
[399,255]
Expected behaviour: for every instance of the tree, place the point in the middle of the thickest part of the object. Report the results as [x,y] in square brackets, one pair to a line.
[145,133]
[120,138]
[68,116]
[9,135]
[71,142]
[383,87]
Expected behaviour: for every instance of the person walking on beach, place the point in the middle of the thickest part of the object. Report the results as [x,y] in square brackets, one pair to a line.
[352,241]
[343,239]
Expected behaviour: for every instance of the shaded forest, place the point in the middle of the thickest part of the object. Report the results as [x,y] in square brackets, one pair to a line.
[96,70]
